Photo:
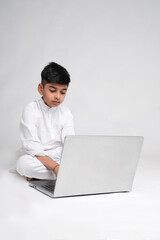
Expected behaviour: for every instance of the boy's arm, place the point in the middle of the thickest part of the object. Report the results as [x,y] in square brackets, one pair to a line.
[28,131]
[30,140]
[68,128]
[49,163]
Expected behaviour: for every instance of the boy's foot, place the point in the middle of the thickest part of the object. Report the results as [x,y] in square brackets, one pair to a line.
[28,179]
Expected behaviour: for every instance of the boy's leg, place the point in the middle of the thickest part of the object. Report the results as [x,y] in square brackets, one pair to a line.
[31,167]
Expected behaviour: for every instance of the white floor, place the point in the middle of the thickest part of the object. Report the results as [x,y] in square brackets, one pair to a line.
[27,214]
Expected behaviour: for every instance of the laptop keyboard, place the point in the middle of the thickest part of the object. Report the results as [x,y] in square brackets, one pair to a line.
[49,187]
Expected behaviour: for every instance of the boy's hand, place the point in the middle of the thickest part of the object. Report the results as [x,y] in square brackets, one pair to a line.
[56,170]
[49,163]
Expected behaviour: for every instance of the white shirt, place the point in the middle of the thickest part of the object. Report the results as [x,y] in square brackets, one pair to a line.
[43,129]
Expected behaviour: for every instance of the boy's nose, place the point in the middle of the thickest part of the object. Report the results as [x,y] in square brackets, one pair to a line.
[57,96]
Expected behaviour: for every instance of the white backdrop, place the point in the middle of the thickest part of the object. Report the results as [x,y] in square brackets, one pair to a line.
[111,49]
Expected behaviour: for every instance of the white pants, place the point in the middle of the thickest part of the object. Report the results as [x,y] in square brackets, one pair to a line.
[31,167]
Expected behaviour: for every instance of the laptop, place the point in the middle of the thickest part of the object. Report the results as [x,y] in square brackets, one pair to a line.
[94,165]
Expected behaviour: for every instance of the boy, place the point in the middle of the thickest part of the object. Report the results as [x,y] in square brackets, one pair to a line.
[44,125]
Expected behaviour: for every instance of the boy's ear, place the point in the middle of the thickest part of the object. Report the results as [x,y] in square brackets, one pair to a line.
[40,88]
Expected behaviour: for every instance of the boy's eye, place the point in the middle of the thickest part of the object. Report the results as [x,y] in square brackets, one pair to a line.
[52,91]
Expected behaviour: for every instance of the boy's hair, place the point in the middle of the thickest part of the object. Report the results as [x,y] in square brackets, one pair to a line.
[54,73]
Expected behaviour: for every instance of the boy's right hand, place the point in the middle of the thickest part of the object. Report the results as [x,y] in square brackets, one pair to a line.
[49,163]
[56,170]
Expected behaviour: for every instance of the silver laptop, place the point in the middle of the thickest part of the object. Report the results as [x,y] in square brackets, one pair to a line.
[94,165]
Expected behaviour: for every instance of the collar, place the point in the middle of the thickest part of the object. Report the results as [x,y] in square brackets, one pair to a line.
[45,107]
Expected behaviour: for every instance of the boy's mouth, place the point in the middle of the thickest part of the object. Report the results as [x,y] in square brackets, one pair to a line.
[55,102]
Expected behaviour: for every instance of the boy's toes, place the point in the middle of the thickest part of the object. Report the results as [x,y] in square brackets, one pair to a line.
[28,179]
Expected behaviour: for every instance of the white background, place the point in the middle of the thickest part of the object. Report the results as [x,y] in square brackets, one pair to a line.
[111,49]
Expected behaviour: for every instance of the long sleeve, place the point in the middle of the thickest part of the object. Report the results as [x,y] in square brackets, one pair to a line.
[68,128]
[28,132]
[43,129]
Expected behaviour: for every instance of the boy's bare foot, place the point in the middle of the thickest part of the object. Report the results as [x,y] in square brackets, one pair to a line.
[28,179]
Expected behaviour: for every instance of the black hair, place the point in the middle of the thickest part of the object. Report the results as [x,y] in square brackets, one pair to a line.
[55,73]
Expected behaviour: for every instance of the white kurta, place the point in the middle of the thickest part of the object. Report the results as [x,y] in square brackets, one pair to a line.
[42,132]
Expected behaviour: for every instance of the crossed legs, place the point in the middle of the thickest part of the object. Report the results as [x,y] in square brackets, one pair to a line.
[31,167]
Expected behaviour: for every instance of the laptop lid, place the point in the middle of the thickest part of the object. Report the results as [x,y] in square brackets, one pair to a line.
[97,164]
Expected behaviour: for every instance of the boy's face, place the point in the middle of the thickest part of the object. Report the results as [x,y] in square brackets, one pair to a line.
[53,93]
